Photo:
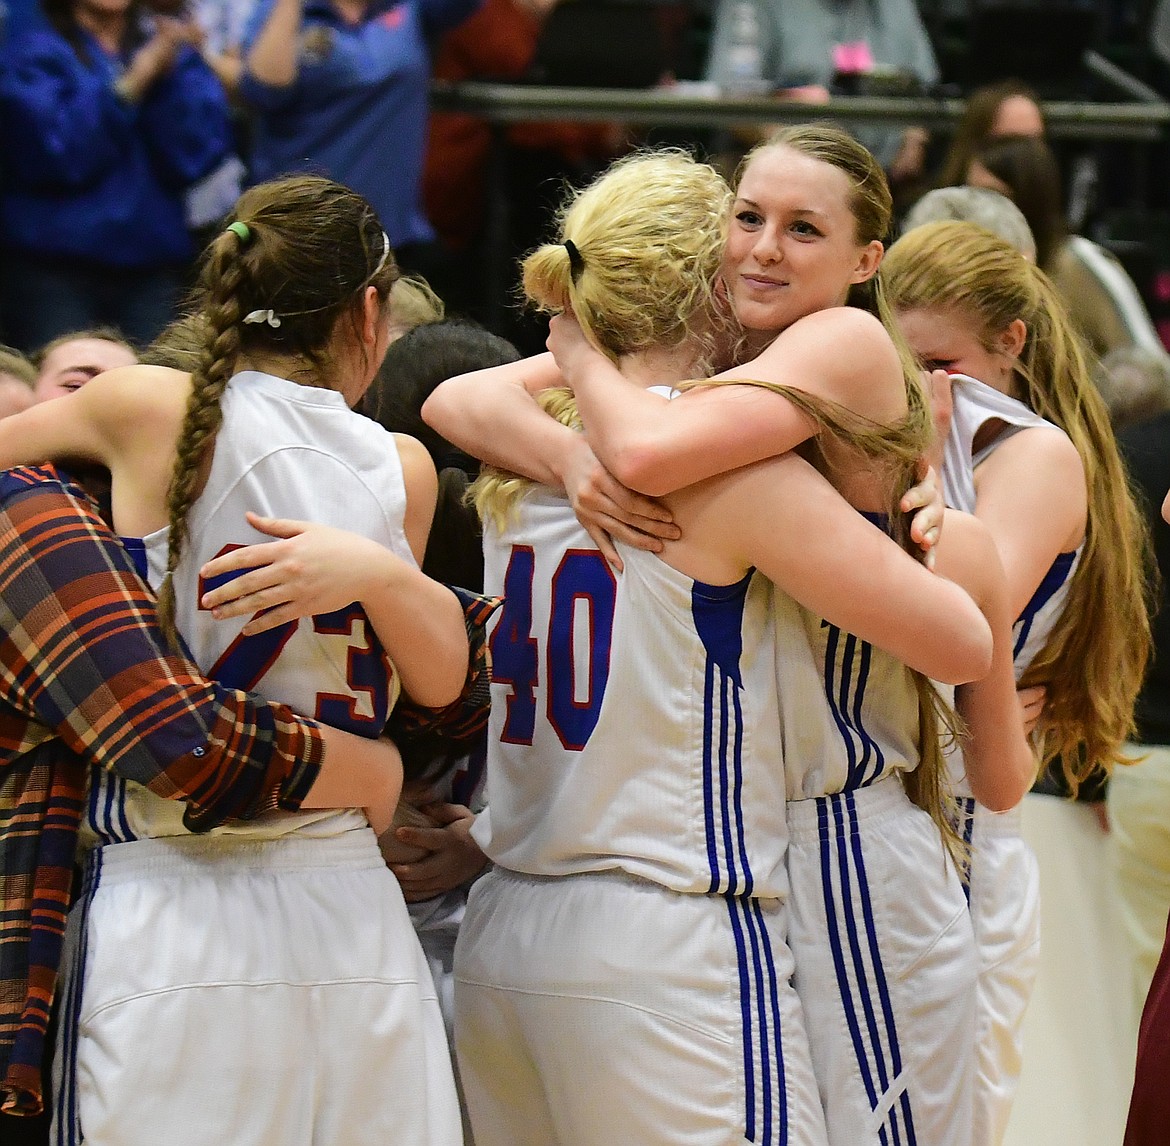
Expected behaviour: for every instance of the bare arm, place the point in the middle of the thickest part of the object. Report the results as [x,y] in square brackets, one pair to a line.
[273,58]
[357,772]
[317,569]
[422,490]
[492,414]
[126,420]
[656,447]
[1031,495]
[1000,764]
[785,519]
[72,428]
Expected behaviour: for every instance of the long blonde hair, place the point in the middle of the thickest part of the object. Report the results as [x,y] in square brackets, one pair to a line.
[647,244]
[637,258]
[1094,660]
[297,254]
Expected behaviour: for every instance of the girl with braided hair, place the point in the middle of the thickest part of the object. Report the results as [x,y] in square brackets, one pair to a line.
[311,977]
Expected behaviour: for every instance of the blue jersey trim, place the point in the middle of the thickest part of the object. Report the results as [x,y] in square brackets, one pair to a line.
[864,989]
[1056,576]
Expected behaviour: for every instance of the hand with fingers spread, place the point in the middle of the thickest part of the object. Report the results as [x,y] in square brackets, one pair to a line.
[925,501]
[607,509]
[313,568]
[450,856]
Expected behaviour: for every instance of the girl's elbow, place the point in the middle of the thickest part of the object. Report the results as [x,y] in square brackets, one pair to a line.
[1002,797]
[433,693]
[435,410]
[442,685]
[1013,779]
[968,657]
[639,466]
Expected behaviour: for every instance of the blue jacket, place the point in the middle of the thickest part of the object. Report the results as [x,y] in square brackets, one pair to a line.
[357,110]
[88,176]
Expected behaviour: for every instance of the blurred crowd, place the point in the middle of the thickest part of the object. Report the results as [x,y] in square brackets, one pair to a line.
[128,128]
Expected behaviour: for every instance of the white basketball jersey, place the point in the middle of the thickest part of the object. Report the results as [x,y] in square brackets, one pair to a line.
[634,718]
[849,711]
[976,403]
[290,451]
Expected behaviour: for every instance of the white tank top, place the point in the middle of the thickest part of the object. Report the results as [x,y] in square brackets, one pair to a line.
[849,711]
[634,717]
[975,404]
[290,451]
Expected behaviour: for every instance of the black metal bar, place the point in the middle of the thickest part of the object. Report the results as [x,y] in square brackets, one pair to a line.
[515,103]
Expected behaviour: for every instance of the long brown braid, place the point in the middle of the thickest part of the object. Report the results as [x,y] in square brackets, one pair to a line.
[299,253]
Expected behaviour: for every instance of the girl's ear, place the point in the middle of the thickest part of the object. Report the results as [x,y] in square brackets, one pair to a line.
[373,310]
[869,261]
[1011,340]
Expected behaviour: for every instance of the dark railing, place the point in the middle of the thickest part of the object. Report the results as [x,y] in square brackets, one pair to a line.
[1141,123]
[690,106]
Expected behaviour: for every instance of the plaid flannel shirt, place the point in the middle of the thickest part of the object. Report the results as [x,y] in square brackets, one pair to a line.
[85,673]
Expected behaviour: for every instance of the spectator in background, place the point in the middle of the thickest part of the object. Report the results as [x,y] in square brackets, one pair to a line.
[1100,295]
[979,205]
[17,375]
[1135,383]
[809,45]
[413,303]
[106,119]
[341,87]
[1009,107]
[69,362]
[499,42]
[208,201]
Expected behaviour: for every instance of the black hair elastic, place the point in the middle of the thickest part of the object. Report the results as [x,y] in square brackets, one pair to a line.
[576,262]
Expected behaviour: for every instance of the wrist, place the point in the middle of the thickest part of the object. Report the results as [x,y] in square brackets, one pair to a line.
[382,573]
[573,453]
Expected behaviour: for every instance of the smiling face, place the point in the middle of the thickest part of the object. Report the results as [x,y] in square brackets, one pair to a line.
[946,339]
[792,246]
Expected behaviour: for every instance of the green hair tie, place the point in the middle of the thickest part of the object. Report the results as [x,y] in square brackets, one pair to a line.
[241,231]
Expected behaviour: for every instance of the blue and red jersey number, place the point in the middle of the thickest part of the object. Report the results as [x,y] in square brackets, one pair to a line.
[247,660]
[576,662]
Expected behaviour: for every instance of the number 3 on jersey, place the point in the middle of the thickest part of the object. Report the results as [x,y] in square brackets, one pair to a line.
[581,598]
[362,709]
